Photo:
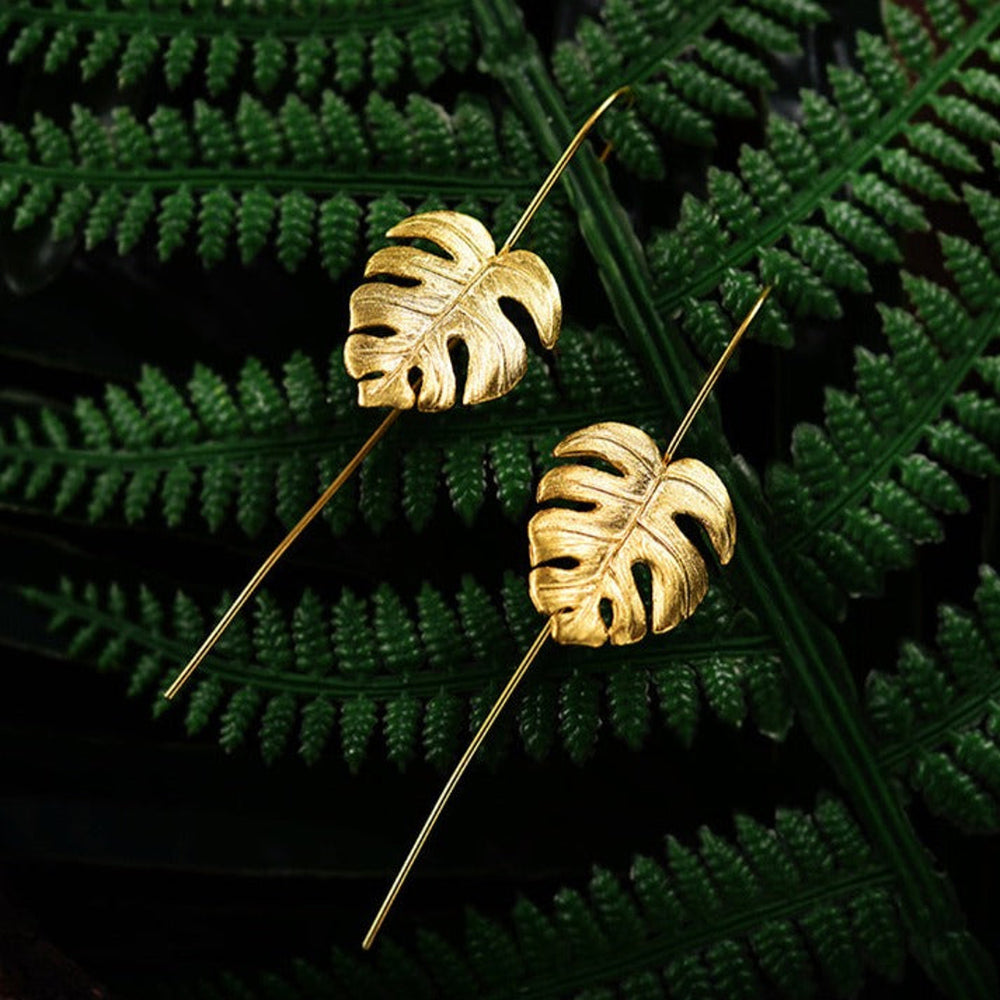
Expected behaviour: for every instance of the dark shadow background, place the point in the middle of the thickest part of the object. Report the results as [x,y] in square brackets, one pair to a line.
[138,852]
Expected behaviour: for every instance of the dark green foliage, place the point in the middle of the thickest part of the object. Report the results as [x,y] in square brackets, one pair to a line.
[176,39]
[658,930]
[640,42]
[302,175]
[937,712]
[305,131]
[211,446]
[837,165]
[877,479]
[418,671]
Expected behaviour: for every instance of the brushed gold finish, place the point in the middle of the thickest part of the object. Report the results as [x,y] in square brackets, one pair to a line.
[454,298]
[629,520]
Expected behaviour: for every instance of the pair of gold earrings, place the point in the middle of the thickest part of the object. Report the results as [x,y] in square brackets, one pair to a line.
[599,524]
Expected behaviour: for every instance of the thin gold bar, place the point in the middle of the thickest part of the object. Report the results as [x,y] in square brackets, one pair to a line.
[325,497]
[456,775]
[713,375]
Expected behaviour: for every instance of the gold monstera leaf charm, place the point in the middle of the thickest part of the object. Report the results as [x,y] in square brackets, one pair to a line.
[445,300]
[582,557]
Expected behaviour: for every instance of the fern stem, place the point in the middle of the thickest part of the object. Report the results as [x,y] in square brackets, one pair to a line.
[312,444]
[960,715]
[410,184]
[600,218]
[460,679]
[835,721]
[803,204]
[556,172]
[242,23]
[815,662]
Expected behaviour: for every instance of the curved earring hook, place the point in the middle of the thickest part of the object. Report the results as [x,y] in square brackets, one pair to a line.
[568,153]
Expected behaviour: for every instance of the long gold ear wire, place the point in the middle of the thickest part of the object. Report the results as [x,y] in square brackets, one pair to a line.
[369,306]
[550,626]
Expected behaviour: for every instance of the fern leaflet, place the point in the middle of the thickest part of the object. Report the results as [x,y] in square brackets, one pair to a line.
[283,42]
[423,674]
[798,910]
[827,199]
[303,176]
[939,715]
[875,481]
[260,448]
[685,79]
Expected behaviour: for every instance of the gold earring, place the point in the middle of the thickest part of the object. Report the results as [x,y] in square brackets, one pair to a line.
[628,519]
[445,299]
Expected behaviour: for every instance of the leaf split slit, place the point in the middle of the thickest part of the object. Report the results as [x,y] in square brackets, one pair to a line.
[546,631]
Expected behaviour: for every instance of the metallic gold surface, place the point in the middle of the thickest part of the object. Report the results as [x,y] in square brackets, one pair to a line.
[446,299]
[629,519]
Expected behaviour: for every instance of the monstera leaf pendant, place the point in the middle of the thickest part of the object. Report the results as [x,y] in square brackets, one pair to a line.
[405,326]
[614,516]
[583,558]
[430,302]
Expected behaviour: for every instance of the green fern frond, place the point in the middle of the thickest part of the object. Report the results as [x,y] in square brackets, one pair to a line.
[301,177]
[803,909]
[264,447]
[285,43]
[811,655]
[877,479]
[685,80]
[824,201]
[424,674]
[939,713]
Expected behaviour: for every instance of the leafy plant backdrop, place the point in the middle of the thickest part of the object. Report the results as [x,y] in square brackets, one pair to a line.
[189,190]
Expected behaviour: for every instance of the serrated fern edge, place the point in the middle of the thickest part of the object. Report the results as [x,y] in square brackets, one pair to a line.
[802,906]
[439,666]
